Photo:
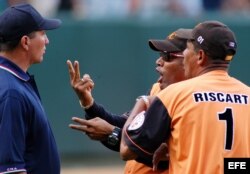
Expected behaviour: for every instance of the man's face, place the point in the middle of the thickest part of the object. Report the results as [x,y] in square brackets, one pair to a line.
[190,58]
[170,68]
[37,46]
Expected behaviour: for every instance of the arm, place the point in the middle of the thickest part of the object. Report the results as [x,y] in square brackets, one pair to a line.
[161,154]
[98,110]
[126,153]
[83,88]
[150,125]
[98,129]
[12,134]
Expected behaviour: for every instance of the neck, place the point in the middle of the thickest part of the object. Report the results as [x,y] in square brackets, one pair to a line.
[17,58]
[214,66]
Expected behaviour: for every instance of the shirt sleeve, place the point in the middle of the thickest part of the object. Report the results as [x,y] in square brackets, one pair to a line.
[116,120]
[148,130]
[97,110]
[13,129]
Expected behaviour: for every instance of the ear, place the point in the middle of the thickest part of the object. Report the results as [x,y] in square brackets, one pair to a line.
[202,57]
[25,42]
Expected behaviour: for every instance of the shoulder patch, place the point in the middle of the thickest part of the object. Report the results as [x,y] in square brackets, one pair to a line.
[137,121]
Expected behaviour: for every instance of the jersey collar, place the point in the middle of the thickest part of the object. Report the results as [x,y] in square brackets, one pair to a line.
[12,68]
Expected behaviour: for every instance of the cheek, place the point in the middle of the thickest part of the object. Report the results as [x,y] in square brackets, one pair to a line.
[173,72]
[167,68]
[38,44]
[179,68]
[187,62]
[187,58]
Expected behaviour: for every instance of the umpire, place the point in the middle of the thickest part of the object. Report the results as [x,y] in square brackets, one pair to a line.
[27,144]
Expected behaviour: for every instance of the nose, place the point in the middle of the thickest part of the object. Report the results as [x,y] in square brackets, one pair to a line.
[159,61]
[46,39]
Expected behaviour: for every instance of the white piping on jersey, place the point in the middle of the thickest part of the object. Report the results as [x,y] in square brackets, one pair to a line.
[12,72]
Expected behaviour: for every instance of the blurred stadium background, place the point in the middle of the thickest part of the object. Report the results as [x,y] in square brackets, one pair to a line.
[110,40]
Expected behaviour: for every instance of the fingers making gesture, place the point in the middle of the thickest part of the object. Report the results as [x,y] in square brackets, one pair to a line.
[82,86]
[96,128]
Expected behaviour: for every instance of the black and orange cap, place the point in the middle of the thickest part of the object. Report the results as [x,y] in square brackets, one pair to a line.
[175,42]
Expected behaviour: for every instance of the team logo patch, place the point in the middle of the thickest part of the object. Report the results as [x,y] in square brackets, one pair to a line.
[200,39]
[137,121]
[172,36]
[232,44]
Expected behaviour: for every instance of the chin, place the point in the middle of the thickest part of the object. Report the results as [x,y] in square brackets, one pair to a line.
[38,61]
[162,86]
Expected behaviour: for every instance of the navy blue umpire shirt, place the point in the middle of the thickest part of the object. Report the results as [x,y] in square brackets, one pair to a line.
[26,139]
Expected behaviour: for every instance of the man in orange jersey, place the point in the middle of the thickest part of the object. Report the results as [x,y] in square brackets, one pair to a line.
[170,68]
[204,119]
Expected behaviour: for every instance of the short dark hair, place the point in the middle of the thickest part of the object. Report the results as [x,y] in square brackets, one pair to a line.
[11,45]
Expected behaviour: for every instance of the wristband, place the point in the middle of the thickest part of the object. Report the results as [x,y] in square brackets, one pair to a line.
[88,106]
[145,99]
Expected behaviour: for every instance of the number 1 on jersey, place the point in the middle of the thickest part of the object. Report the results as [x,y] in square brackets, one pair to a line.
[228,117]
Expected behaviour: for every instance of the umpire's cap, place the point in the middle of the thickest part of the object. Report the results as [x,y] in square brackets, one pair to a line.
[19,20]
[175,42]
[215,38]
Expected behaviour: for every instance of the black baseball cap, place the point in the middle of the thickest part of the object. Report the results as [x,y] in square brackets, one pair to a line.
[175,42]
[19,20]
[215,38]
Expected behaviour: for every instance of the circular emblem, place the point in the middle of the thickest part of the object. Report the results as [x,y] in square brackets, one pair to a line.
[137,121]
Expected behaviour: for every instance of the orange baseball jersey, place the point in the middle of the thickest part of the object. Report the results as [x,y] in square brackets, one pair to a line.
[133,166]
[155,89]
[204,120]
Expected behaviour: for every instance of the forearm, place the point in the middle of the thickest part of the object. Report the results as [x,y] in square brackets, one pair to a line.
[141,105]
[98,110]
[125,152]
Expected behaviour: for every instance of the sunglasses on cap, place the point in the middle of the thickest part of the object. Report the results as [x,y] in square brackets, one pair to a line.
[168,56]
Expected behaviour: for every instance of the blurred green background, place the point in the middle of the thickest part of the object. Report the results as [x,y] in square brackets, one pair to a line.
[116,55]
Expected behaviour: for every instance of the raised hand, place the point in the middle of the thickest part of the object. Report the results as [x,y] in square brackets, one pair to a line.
[82,86]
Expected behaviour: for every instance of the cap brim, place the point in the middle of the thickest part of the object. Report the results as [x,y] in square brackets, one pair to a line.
[50,24]
[162,45]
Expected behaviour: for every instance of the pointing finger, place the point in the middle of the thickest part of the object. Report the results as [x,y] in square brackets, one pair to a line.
[79,127]
[81,121]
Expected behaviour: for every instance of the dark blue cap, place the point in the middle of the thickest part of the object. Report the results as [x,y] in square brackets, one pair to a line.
[19,20]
